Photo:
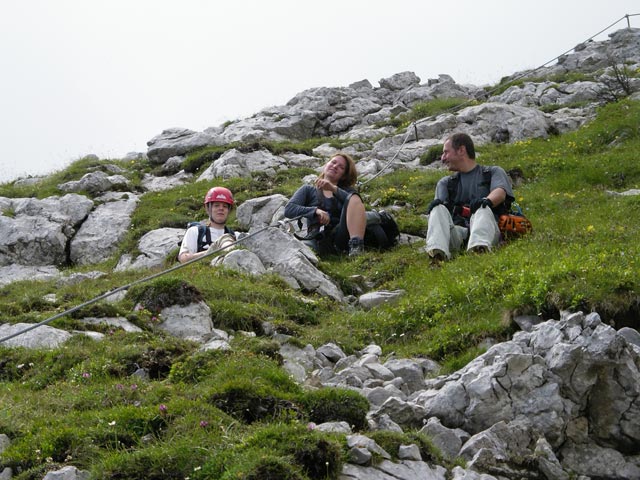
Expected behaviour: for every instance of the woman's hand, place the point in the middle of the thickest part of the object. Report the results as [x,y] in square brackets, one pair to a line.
[323,217]
[324,184]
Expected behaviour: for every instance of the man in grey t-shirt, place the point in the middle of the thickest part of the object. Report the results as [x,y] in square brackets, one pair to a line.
[467,204]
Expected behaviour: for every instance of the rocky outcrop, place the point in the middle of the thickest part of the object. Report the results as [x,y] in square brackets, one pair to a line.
[261,211]
[237,164]
[36,232]
[176,141]
[623,46]
[548,402]
[99,236]
[154,248]
[95,183]
[72,229]
[293,261]
[545,401]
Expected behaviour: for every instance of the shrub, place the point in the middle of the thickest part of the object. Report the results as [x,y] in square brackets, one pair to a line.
[307,453]
[193,368]
[337,405]
[231,315]
[249,402]
[319,456]
[273,468]
[163,293]
[432,155]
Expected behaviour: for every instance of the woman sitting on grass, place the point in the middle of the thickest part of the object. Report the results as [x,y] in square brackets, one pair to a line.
[335,214]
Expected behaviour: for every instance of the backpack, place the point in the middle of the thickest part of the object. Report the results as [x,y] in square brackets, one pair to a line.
[511,221]
[382,231]
[514,224]
[454,182]
[204,234]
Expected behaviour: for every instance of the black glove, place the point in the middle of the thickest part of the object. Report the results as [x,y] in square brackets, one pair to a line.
[433,204]
[480,203]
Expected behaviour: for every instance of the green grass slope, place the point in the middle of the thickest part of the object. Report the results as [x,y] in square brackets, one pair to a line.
[237,414]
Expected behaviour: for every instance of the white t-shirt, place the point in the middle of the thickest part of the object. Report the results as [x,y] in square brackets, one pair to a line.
[190,240]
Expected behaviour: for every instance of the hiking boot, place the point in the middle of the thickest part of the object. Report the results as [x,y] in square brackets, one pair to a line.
[437,256]
[480,249]
[356,246]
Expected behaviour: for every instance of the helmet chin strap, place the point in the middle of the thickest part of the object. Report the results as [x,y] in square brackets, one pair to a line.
[212,222]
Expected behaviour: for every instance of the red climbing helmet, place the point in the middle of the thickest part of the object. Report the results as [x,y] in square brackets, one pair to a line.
[219,194]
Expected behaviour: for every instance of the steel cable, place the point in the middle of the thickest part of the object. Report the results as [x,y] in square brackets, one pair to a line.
[145,279]
[472,100]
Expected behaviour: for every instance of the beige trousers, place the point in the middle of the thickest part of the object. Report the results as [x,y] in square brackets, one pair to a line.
[444,235]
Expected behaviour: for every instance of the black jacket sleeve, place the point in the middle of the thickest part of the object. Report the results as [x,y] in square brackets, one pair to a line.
[304,202]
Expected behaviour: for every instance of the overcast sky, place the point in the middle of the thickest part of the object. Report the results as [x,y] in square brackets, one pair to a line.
[104,77]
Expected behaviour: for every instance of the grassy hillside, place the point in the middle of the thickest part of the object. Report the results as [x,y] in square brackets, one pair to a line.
[80,405]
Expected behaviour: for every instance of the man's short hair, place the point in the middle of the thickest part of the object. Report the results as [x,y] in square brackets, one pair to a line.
[463,140]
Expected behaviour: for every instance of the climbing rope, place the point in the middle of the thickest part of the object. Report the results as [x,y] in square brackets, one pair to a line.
[280,223]
[472,100]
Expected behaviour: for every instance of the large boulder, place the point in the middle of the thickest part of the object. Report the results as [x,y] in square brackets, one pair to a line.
[484,121]
[36,232]
[42,337]
[275,124]
[176,141]
[154,246]
[261,211]
[234,163]
[244,261]
[191,322]
[99,236]
[293,260]
[69,210]
[32,241]
[400,81]
[15,273]
[152,183]
[96,182]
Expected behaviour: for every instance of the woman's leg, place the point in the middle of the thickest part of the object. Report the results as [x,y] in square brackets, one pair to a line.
[353,222]
[356,217]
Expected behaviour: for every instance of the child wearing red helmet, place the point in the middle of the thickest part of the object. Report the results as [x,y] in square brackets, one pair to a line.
[197,241]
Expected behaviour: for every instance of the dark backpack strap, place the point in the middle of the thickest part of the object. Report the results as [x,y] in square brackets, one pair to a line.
[504,207]
[454,182]
[452,187]
[204,236]
[486,177]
